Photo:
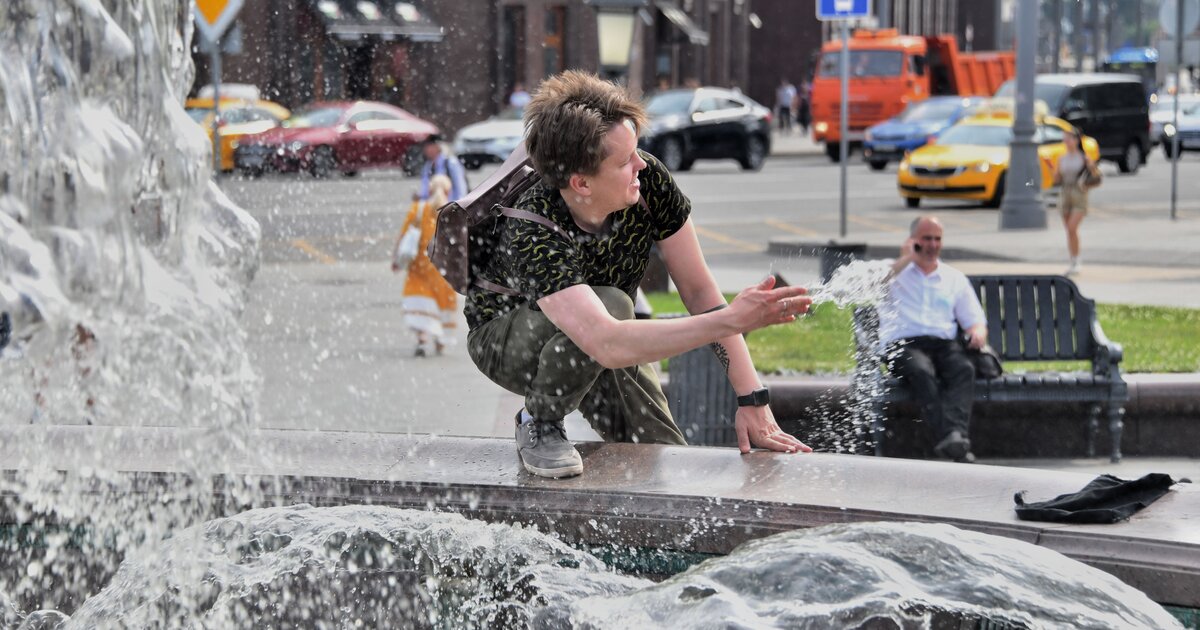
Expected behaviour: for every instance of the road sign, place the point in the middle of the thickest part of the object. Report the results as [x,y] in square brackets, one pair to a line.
[829,10]
[214,16]
[1167,17]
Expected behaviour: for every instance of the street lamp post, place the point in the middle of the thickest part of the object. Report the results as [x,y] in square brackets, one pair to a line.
[615,28]
[1022,207]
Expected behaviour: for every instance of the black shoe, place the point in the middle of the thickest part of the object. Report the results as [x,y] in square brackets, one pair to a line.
[545,450]
[954,446]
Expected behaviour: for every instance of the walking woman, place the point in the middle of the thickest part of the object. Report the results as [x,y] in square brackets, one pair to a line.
[1076,174]
[430,305]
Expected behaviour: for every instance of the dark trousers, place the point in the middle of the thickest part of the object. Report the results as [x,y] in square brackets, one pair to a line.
[785,117]
[942,380]
[525,353]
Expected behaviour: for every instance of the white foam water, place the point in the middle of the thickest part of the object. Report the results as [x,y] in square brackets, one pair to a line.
[356,566]
[123,269]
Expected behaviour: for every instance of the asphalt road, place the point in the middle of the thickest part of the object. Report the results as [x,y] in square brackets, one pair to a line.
[736,213]
[325,323]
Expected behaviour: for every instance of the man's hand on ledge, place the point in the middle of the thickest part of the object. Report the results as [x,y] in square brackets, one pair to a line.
[756,426]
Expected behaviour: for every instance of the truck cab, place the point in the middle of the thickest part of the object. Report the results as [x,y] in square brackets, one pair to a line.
[888,71]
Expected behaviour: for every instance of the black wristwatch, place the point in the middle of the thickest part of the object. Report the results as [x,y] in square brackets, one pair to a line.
[760,397]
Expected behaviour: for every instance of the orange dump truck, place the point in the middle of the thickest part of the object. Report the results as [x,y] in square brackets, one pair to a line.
[888,71]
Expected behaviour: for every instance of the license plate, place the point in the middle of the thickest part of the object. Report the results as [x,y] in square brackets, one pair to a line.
[885,148]
[1191,143]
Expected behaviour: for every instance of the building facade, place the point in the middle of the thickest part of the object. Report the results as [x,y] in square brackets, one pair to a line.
[456,61]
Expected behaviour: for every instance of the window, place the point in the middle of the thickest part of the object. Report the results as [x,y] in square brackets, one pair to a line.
[864,63]
[1048,134]
[553,52]
[708,104]
[1076,101]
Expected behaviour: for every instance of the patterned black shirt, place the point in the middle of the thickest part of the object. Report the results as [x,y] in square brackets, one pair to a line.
[536,261]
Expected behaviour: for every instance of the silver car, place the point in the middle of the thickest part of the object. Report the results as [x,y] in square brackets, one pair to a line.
[491,140]
[1162,111]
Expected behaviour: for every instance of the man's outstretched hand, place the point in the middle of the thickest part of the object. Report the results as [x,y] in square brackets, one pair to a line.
[756,426]
[763,305]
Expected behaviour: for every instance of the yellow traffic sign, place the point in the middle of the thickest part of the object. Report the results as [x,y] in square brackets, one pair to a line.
[213,17]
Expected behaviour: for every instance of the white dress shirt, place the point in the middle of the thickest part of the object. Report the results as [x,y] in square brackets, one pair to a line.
[934,305]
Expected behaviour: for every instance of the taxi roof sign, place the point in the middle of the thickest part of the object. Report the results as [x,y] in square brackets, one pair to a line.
[213,17]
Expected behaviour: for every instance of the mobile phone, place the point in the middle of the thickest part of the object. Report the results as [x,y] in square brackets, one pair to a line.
[916,247]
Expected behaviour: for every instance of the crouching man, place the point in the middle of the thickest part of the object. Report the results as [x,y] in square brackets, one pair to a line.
[569,340]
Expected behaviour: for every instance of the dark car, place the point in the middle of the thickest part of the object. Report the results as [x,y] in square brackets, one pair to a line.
[706,123]
[1112,108]
[341,137]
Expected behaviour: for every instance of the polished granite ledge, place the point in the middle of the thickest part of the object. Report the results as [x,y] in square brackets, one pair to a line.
[686,498]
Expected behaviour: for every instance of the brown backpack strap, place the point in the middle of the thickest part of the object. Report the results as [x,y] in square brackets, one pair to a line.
[515,213]
[495,288]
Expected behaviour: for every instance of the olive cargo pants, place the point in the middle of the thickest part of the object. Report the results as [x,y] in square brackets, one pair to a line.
[525,353]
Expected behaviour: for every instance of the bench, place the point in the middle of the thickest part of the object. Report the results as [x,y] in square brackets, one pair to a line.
[1029,318]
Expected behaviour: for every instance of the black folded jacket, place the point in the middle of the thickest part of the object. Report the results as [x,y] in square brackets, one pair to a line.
[1106,499]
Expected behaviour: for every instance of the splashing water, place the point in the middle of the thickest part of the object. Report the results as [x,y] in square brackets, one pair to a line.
[123,269]
[376,566]
[859,283]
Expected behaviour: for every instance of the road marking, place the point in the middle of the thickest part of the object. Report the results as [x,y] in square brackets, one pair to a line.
[745,246]
[308,248]
[961,221]
[886,227]
[787,227]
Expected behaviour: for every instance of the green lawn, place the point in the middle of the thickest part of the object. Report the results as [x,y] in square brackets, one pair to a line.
[1156,339]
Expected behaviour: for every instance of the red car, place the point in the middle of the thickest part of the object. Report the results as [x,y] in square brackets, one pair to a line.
[337,136]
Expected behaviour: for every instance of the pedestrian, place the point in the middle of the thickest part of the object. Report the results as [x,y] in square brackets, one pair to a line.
[519,97]
[430,305]
[927,302]
[557,326]
[439,161]
[1076,174]
[804,106]
[784,95]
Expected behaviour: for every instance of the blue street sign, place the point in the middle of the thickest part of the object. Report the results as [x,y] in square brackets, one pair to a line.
[828,10]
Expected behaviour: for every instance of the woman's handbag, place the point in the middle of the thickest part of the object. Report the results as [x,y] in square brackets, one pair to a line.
[406,251]
[1090,176]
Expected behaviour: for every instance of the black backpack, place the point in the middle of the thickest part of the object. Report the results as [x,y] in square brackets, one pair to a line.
[467,229]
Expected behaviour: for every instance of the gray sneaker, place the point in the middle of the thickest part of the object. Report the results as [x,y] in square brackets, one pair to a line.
[955,446]
[545,450]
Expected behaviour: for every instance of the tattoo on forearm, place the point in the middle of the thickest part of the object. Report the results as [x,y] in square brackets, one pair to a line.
[722,354]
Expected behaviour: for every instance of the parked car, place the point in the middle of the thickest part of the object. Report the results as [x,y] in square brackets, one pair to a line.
[706,123]
[1162,112]
[345,137]
[969,160]
[1188,130]
[1112,108]
[913,127]
[238,118]
[490,140]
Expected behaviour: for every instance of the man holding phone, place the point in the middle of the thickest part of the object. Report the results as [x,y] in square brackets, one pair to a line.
[927,303]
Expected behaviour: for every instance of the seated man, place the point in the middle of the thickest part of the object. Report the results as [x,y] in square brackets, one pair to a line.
[927,302]
[568,338]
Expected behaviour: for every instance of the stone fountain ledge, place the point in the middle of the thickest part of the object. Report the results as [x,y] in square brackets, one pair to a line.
[697,499]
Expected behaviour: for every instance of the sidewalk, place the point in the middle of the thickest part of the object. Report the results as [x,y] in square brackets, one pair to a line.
[794,144]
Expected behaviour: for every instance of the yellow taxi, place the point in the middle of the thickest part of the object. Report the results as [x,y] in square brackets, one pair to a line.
[968,160]
[239,117]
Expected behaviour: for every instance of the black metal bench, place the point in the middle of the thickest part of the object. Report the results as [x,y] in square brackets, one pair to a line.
[1030,318]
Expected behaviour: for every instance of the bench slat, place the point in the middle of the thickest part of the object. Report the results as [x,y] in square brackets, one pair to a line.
[1045,297]
[988,291]
[1064,326]
[1084,311]
[1011,319]
[1030,347]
